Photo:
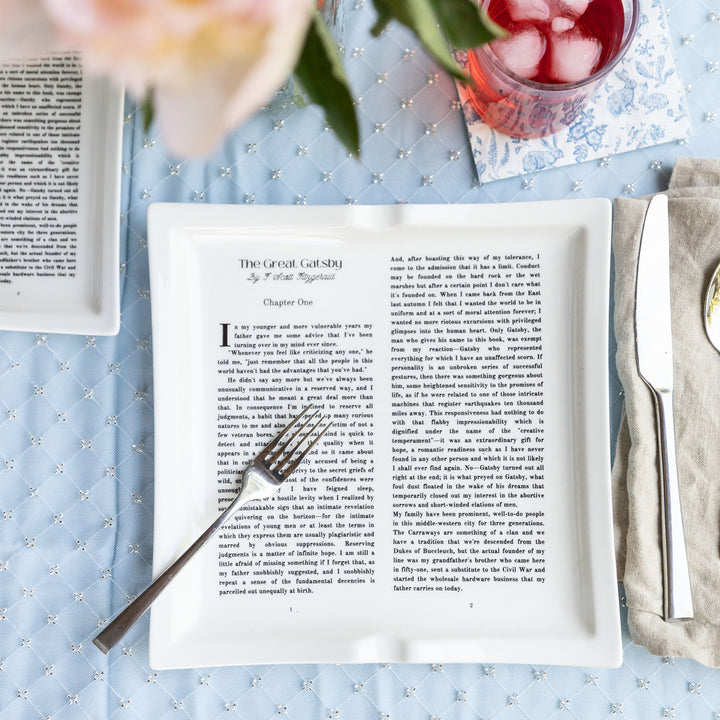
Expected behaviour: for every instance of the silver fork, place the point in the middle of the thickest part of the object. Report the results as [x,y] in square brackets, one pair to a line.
[260,479]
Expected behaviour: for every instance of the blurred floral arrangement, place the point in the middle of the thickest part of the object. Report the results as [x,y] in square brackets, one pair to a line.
[202,66]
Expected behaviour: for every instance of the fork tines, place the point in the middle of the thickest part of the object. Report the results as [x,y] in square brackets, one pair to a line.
[283,455]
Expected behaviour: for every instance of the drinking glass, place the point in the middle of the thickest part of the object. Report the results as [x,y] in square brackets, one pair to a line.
[525,108]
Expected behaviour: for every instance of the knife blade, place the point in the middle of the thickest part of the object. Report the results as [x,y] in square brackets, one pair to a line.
[653,342]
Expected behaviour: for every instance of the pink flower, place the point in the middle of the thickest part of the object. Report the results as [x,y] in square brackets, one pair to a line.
[25,29]
[211,63]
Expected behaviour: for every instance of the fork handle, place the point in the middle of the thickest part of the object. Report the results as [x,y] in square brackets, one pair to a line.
[112,634]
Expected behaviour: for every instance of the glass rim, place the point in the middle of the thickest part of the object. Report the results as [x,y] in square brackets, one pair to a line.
[564,87]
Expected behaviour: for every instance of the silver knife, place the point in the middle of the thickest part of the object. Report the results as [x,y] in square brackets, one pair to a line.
[653,340]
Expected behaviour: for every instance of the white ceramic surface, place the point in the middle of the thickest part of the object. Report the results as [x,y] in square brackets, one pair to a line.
[87,303]
[571,619]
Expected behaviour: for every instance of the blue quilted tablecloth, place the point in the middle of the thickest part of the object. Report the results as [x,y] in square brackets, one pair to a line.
[76,422]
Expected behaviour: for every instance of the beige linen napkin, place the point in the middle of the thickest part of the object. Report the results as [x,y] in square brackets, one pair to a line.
[694,201]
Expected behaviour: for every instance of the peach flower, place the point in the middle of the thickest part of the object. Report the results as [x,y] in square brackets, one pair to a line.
[25,29]
[210,63]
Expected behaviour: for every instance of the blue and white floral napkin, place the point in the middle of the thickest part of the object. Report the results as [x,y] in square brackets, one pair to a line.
[642,103]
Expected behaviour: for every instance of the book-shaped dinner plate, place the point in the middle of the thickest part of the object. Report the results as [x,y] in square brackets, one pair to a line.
[60,208]
[459,508]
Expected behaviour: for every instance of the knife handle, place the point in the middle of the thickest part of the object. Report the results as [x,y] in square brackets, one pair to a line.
[677,593]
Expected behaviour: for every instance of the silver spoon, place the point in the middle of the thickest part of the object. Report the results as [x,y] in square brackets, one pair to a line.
[712,309]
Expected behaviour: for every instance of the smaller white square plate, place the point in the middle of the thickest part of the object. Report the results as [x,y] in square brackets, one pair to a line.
[89,302]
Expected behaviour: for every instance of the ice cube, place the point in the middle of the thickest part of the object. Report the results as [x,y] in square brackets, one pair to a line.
[522,51]
[524,10]
[574,8]
[572,55]
[562,24]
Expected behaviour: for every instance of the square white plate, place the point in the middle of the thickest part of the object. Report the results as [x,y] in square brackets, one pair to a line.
[88,302]
[202,279]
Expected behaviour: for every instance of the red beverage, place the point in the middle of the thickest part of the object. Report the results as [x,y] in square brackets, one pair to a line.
[536,81]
